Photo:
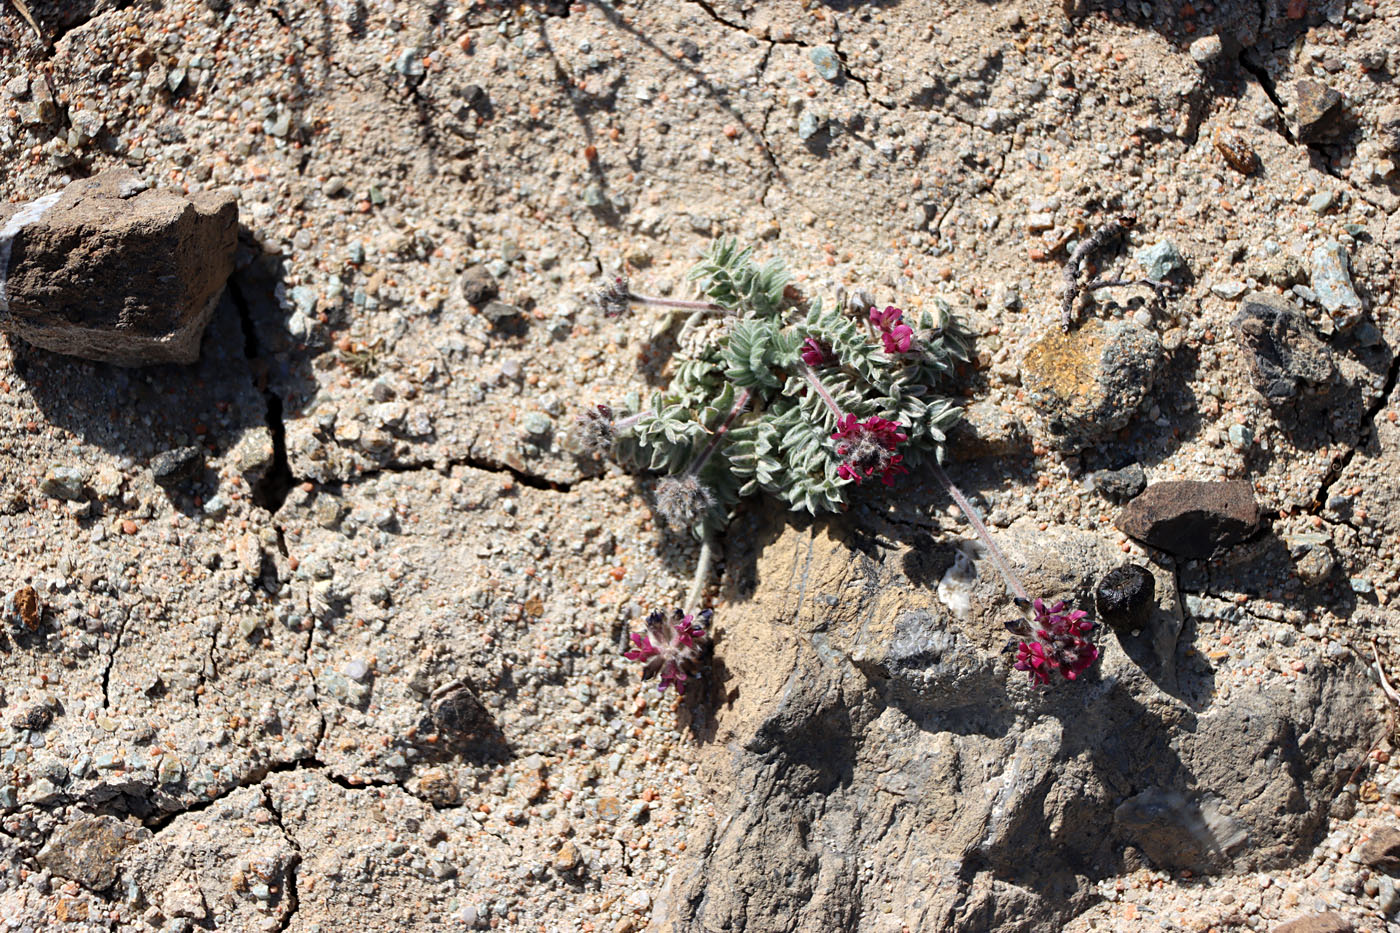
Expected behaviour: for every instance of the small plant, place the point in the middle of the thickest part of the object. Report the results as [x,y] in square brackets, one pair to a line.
[801,400]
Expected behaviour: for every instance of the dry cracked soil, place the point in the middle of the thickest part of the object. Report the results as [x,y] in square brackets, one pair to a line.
[362,670]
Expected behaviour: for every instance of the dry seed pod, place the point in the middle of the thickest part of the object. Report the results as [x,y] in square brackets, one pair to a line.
[1236,151]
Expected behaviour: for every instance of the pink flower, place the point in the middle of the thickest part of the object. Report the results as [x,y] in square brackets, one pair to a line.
[896,335]
[815,352]
[1060,644]
[867,448]
[674,648]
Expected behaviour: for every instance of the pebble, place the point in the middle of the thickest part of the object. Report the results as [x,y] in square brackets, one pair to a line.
[809,125]
[63,482]
[1206,50]
[1318,109]
[1331,280]
[537,424]
[1161,259]
[826,62]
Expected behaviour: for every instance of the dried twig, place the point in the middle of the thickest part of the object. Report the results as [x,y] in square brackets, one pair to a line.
[1094,241]
[29,18]
[1390,692]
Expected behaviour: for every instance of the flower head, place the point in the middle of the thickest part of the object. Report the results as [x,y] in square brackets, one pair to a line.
[596,429]
[816,352]
[614,298]
[896,335]
[681,499]
[866,448]
[671,647]
[1061,644]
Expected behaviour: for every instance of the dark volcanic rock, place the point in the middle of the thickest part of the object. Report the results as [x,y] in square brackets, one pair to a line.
[1318,109]
[1122,484]
[1285,355]
[1125,597]
[86,850]
[1191,519]
[479,285]
[177,466]
[108,270]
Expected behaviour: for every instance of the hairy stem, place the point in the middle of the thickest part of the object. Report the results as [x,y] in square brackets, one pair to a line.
[975,521]
[703,568]
[740,404]
[816,383]
[680,304]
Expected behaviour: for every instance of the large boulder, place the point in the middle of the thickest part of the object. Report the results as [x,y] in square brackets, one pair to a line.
[110,270]
[880,766]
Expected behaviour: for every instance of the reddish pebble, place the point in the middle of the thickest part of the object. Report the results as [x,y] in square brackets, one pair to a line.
[128,527]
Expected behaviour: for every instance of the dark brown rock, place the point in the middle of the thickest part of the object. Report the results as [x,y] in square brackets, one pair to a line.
[87,850]
[1318,923]
[108,270]
[479,285]
[1318,110]
[1125,597]
[1285,355]
[1191,519]
[1382,850]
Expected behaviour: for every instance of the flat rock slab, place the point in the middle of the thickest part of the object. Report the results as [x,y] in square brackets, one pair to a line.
[1286,357]
[110,270]
[1190,518]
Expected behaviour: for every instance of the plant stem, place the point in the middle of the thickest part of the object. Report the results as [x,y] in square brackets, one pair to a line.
[702,572]
[816,383]
[739,404]
[626,424]
[975,521]
[677,303]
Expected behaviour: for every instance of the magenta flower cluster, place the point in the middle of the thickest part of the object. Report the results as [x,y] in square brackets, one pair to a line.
[867,448]
[1061,644]
[893,331]
[816,352]
[672,647]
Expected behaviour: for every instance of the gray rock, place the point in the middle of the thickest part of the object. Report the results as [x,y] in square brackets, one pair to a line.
[62,482]
[1122,484]
[1318,110]
[809,125]
[1190,518]
[501,314]
[1206,50]
[1161,259]
[106,274]
[174,467]
[1331,280]
[826,62]
[1177,832]
[898,734]
[1285,355]
[479,286]
[1388,128]
[1089,382]
[87,850]
[1316,565]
